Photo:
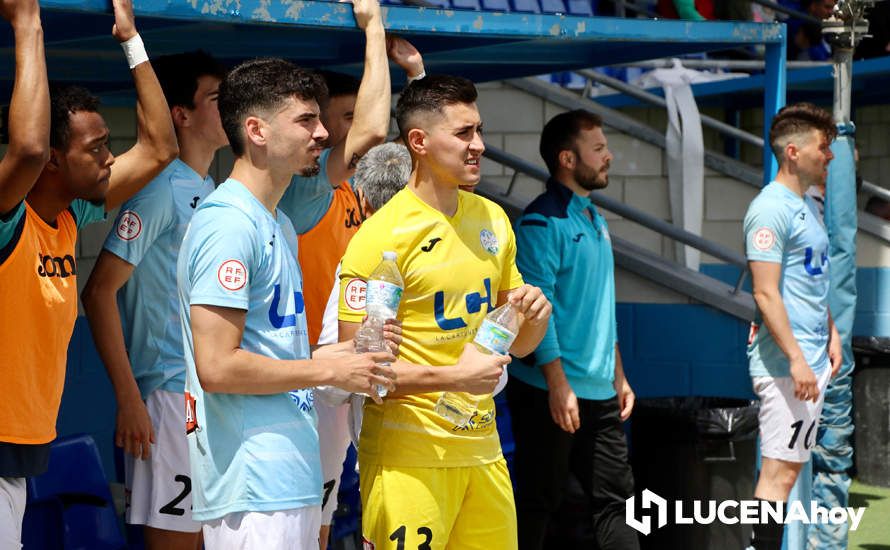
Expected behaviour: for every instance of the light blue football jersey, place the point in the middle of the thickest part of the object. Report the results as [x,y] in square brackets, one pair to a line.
[307,200]
[147,234]
[781,227]
[248,452]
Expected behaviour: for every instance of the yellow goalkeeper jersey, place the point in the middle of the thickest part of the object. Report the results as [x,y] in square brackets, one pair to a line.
[453,269]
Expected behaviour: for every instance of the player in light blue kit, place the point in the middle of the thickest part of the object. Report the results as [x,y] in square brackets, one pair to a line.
[137,330]
[794,348]
[253,447]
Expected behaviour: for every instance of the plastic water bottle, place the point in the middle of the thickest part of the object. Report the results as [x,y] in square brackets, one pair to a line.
[496,335]
[382,297]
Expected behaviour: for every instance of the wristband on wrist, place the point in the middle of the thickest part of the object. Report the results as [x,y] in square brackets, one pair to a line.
[134,49]
[418,77]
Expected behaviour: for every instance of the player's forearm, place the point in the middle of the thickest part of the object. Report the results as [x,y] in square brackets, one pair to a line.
[372,103]
[29,107]
[331,351]
[413,378]
[100,304]
[155,147]
[619,364]
[155,125]
[553,374]
[28,121]
[244,372]
[528,339]
[775,317]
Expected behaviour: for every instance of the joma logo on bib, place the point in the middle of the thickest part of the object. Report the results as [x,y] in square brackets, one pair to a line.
[55,266]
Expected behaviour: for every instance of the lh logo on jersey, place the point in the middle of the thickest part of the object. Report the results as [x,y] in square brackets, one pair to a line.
[489,241]
[232,275]
[289,319]
[808,261]
[129,226]
[764,239]
[473,302]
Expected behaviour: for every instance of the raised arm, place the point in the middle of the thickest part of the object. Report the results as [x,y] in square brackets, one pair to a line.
[406,56]
[156,145]
[372,105]
[28,122]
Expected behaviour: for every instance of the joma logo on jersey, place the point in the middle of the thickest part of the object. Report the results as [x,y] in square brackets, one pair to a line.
[288,319]
[54,266]
[474,302]
[808,261]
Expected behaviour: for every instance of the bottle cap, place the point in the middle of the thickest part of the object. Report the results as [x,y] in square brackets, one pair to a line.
[389,255]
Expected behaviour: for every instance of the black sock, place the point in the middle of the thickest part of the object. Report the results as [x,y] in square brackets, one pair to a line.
[768,534]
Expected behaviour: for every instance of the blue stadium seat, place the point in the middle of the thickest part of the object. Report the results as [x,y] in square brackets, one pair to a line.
[43,526]
[582,8]
[553,6]
[73,496]
[528,6]
[496,5]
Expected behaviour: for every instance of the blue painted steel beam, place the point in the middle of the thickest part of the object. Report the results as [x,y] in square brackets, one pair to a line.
[871,79]
[483,46]
[428,20]
[774,92]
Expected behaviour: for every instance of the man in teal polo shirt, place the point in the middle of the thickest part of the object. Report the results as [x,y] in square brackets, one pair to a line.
[569,398]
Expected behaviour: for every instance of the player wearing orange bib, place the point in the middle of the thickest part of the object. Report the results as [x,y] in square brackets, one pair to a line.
[55,178]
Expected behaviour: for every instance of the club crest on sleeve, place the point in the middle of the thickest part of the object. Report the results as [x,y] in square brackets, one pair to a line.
[764,239]
[232,275]
[489,241]
[129,226]
[355,294]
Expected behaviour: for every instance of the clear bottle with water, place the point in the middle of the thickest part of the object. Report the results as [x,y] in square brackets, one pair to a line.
[382,296]
[496,335]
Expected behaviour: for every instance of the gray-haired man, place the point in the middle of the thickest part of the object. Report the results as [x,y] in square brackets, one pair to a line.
[381,174]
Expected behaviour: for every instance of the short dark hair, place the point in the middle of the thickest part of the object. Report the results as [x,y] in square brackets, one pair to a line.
[262,85]
[560,133]
[796,119]
[340,84]
[431,94]
[65,100]
[179,74]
